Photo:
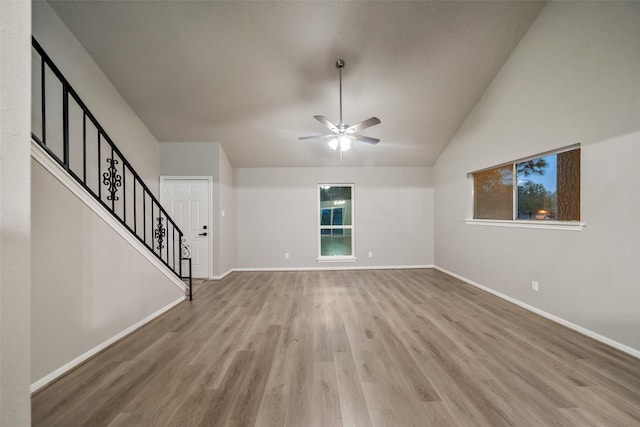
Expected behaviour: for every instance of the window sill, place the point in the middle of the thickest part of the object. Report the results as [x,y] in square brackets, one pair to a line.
[338,259]
[546,225]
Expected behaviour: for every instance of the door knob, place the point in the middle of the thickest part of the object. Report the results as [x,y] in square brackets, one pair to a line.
[203,234]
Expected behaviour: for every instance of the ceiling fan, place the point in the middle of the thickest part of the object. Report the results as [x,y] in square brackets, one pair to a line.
[343,134]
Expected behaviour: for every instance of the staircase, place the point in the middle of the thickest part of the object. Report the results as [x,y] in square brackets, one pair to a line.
[69,133]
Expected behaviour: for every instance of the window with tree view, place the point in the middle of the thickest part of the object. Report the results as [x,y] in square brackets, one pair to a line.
[336,221]
[546,187]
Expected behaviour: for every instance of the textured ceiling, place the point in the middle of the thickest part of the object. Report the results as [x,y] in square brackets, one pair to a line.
[250,75]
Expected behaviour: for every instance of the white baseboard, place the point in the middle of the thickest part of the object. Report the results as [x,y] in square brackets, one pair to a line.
[42,157]
[373,267]
[78,360]
[552,317]
[257,269]
[223,275]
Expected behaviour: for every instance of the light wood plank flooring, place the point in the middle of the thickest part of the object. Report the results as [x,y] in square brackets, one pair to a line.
[367,348]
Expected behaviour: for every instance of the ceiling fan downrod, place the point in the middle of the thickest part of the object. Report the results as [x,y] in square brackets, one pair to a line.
[342,133]
[340,66]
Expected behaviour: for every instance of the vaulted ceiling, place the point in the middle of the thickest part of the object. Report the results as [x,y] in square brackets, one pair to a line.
[250,75]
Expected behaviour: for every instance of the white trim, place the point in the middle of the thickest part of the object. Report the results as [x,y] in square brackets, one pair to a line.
[42,157]
[351,227]
[554,318]
[209,180]
[223,275]
[571,147]
[550,225]
[366,267]
[78,360]
[330,258]
[546,225]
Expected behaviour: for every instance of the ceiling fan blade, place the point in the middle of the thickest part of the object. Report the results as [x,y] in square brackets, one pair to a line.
[326,122]
[363,125]
[363,138]
[317,137]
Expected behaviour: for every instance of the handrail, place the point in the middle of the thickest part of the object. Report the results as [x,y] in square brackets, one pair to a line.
[74,138]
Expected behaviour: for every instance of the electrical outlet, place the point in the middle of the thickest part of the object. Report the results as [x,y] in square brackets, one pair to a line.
[534,285]
[222,213]
[286,255]
[370,254]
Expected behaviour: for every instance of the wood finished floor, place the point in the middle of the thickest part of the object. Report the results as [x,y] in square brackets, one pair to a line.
[367,348]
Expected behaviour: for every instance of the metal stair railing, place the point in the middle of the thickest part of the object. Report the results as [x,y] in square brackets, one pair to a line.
[67,130]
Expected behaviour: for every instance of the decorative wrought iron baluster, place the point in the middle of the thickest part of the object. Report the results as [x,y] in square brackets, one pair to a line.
[185,250]
[112,179]
[160,233]
[185,254]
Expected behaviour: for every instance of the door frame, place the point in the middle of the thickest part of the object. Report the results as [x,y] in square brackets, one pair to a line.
[209,180]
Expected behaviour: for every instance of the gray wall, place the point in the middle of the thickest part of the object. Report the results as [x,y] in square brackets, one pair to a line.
[228,249]
[277,213]
[190,159]
[575,77]
[118,119]
[87,283]
[15,281]
[196,159]
[208,159]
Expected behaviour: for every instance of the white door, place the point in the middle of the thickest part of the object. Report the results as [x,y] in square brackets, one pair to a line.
[187,201]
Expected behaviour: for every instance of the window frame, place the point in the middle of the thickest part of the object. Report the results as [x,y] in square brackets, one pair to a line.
[319,227]
[514,222]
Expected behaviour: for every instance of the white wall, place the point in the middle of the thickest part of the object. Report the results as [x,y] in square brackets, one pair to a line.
[118,119]
[277,213]
[15,276]
[89,284]
[575,77]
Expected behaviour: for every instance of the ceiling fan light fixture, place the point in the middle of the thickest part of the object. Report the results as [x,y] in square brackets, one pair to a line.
[343,133]
[345,143]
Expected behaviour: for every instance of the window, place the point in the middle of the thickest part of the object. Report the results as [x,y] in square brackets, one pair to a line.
[545,187]
[493,193]
[335,222]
